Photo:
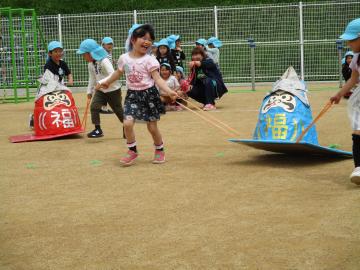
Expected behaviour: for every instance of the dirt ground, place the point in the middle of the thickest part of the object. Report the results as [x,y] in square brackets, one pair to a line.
[68,204]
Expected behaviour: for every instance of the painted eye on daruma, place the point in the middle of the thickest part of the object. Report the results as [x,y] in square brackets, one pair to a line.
[286,97]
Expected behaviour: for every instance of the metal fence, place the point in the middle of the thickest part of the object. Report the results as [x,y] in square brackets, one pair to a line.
[300,34]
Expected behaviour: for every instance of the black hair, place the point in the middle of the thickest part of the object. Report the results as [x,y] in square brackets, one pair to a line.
[158,51]
[170,58]
[201,51]
[142,31]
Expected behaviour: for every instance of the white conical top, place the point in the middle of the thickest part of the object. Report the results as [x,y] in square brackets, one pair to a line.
[290,82]
[290,74]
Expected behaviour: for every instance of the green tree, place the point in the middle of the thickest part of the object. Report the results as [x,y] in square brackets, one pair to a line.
[44,7]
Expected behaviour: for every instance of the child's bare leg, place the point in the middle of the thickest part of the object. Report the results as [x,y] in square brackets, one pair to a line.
[132,154]
[355,176]
[158,143]
[155,132]
[129,130]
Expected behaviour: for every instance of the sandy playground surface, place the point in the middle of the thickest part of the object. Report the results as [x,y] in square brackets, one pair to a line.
[68,204]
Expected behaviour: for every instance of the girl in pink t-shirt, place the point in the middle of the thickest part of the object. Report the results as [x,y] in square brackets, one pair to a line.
[142,101]
[351,35]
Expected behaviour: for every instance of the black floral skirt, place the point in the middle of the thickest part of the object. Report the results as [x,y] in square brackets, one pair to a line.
[143,105]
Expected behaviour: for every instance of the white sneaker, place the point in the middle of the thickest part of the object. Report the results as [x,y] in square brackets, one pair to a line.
[209,107]
[355,176]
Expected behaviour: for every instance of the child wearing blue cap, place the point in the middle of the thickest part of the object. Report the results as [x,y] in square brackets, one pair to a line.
[176,50]
[179,74]
[142,101]
[164,53]
[346,70]
[56,65]
[201,43]
[55,69]
[213,45]
[99,67]
[172,83]
[352,36]
[108,44]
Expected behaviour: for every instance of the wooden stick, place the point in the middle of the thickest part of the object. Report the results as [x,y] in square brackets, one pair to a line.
[84,120]
[206,119]
[322,112]
[214,118]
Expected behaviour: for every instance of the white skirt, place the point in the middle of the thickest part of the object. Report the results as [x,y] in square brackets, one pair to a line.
[354,109]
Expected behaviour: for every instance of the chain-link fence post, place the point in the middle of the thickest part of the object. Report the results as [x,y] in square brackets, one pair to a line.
[59,28]
[216,22]
[301,39]
[340,47]
[252,60]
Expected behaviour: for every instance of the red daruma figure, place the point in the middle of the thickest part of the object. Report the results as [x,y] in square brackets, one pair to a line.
[55,113]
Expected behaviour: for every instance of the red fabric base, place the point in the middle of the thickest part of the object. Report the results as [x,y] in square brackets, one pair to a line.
[33,137]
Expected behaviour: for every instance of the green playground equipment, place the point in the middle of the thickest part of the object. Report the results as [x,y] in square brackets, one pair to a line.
[22,48]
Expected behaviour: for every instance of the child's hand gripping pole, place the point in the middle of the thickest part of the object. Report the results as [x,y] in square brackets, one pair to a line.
[103,85]
[322,112]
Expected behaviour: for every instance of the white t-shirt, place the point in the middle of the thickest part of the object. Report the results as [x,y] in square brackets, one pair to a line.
[172,83]
[109,56]
[138,71]
[214,54]
[353,64]
[99,70]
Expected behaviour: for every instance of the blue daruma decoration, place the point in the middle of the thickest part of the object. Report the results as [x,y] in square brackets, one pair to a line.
[285,112]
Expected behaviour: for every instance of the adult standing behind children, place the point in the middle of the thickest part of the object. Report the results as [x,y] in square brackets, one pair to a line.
[100,67]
